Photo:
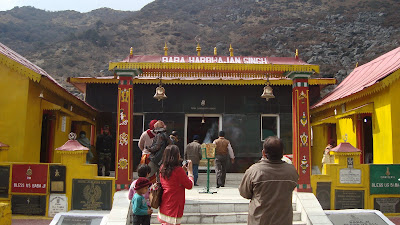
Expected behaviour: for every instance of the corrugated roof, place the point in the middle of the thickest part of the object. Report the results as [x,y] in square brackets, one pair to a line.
[364,76]
[9,53]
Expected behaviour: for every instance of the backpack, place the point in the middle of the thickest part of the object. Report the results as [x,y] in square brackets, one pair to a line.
[155,197]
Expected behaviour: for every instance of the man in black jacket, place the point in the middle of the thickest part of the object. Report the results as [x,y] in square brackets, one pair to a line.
[104,146]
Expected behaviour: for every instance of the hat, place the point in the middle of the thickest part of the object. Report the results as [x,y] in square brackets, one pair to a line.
[196,137]
[151,124]
[141,183]
[175,133]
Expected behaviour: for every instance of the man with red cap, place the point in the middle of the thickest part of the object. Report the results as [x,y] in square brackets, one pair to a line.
[146,139]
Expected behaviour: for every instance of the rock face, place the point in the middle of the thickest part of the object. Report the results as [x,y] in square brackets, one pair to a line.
[334,34]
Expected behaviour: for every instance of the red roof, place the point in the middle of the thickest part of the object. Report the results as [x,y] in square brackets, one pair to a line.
[4,50]
[364,76]
[72,145]
[345,147]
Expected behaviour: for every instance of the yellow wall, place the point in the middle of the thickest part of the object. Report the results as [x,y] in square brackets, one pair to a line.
[345,128]
[382,128]
[60,137]
[395,107]
[13,113]
[320,137]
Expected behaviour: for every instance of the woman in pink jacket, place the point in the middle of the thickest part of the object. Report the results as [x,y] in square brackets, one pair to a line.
[174,181]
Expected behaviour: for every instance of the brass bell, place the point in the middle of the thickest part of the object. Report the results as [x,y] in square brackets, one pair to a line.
[160,93]
[267,94]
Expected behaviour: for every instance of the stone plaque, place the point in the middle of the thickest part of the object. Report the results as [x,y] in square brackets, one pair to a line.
[81,220]
[91,194]
[29,178]
[5,181]
[350,176]
[57,203]
[28,204]
[349,199]
[356,218]
[324,194]
[57,178]
[387,205]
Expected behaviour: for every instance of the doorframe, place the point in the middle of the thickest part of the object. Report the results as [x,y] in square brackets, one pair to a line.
[200,115]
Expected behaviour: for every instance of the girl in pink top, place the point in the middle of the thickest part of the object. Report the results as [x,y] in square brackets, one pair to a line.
[174,180]
[143,171]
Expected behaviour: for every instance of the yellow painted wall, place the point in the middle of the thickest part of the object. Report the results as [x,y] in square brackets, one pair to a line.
[382,128]
[395,107]
[13,110]
[346,128]
[320,137]
[60,137]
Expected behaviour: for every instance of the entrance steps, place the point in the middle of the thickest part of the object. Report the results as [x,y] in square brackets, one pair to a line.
[226,206]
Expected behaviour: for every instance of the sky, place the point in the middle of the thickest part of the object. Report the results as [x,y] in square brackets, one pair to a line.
[77,5]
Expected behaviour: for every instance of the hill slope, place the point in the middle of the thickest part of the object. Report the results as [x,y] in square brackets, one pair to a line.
[335,34]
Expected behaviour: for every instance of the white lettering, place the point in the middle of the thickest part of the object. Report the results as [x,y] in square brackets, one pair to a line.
[191,60]
[164,59]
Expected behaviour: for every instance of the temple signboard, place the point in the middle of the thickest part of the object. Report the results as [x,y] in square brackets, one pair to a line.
[384,179]
[29,178]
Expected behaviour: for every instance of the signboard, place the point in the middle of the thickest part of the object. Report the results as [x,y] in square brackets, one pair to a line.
[385,179]
[356,218]
[79,219]
[324,194]
[57,203]
[28,204]
[350,176]
[57,178]
[5,181]
[349,199]
[387,205]
[29,178]
[91,194]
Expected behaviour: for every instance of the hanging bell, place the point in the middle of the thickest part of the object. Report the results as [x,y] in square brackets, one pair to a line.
[267,94]
[203,121]
[160,93]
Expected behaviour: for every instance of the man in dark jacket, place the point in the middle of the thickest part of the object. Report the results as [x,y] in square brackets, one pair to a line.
[104,146]
[270,184]
[193,152]
[160,142]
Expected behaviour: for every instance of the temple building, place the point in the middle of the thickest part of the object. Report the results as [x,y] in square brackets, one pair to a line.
[37,114]
[364,111]
[204,94]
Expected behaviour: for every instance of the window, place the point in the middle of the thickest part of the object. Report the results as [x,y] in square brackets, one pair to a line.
[269,126]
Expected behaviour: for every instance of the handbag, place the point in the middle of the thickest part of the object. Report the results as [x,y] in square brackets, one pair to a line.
[156,192]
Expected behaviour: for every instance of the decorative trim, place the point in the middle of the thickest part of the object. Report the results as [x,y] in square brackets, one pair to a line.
[19,68]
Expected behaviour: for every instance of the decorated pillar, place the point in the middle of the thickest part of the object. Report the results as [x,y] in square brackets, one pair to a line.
[123,152]
[301,130]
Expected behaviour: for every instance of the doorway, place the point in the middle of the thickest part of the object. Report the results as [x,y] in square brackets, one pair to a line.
[367,139]
[47,137]
[206,126]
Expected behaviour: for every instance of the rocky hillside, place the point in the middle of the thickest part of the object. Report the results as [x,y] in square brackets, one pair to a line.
[335,34]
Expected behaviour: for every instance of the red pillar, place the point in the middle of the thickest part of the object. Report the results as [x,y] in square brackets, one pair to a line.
[123,153]
[301,131]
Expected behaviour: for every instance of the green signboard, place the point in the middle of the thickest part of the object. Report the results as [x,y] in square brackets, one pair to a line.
[385,179]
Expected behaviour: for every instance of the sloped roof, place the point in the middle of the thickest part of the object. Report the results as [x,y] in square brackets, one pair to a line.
[364,76]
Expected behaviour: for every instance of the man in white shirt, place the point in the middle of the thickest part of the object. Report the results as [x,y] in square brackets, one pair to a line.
[146,139]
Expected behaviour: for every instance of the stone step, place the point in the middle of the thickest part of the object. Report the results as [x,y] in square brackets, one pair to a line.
[294,223]
[204,207]
[217,218]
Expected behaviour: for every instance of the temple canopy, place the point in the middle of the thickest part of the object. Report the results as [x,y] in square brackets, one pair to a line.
[207,70]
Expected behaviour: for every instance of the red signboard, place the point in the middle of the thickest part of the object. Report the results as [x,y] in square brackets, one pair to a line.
[29,178]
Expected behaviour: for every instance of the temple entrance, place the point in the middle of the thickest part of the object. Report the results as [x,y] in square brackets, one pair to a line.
[47,137]
[367,140]
[206,126]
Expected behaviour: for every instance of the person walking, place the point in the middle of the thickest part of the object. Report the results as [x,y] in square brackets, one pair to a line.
[193,153]
[104,147]
[146,139]
[174,181]
[269,185]
[223,151]
[160,142]
[141,212]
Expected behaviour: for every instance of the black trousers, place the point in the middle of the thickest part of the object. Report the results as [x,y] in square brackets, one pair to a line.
[104,160]
[220,168]
[141,220]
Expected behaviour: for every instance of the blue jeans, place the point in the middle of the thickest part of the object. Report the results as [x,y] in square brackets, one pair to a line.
[195,172]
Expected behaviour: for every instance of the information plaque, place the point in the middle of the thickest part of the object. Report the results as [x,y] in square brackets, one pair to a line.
[5,181]
[57,179]
[387,205]
[349,199]
[324,194]
[91,194]
[28,204]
